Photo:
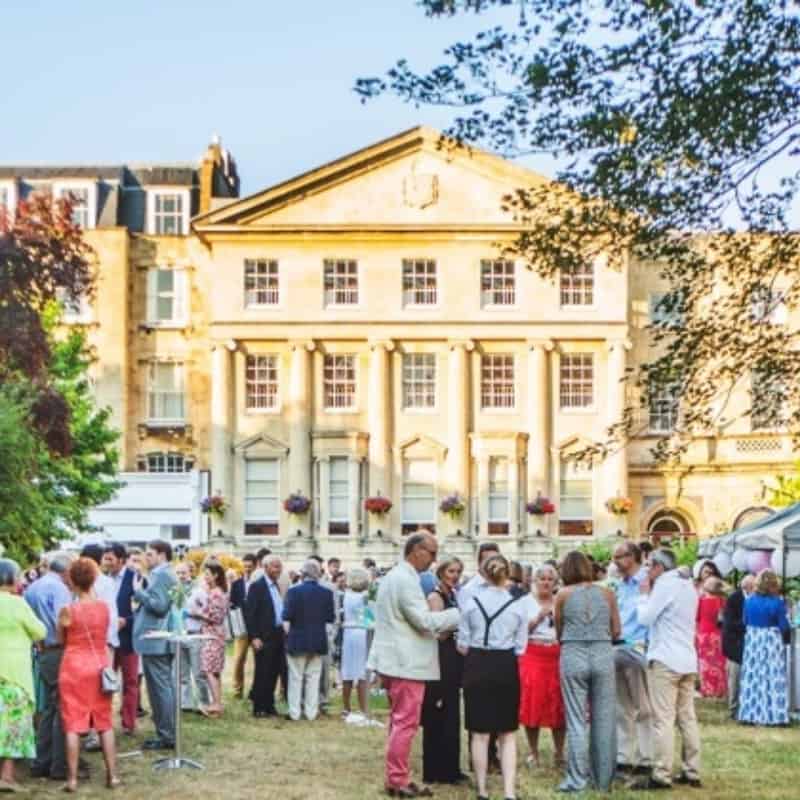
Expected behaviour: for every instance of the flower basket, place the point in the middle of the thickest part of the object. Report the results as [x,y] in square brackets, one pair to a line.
[619,506]
[452,505]
[214,504]
[540,506]
[296,503]
[378,505]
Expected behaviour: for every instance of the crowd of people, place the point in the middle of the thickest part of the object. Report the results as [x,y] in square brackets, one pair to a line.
[608,657]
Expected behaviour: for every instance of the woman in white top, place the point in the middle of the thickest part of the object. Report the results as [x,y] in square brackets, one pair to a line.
[493,631]
[541,704]
[354,645]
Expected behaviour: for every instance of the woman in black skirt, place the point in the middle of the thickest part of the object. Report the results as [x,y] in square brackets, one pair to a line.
[441,712]
[493,631]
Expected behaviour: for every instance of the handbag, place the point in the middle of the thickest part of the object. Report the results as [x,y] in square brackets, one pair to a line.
[236,622]
[109,679]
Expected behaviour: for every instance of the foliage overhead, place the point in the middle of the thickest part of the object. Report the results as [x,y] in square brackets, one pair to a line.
[678,124]
[43,259]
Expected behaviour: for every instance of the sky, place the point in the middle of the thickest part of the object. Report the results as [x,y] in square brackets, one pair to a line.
[109,83]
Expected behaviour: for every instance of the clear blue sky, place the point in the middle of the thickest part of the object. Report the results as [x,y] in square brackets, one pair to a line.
[107,82]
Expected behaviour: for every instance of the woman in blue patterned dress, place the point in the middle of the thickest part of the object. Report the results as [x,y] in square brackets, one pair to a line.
[763,692]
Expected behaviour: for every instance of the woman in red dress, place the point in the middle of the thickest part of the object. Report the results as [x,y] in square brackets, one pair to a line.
[541,704]
[83,627]
[713,677]
[212,656]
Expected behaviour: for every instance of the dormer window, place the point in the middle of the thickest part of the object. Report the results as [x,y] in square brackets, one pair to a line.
[84,201]
[168,212]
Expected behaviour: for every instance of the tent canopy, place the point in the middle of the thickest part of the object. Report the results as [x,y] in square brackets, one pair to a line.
[764,534]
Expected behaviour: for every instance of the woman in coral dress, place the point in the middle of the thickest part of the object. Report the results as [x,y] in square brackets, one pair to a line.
[713,678]
[212,655]
[83,628]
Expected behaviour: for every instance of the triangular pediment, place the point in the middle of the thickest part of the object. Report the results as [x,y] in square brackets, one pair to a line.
[421,445]
[414,179]
[260,445]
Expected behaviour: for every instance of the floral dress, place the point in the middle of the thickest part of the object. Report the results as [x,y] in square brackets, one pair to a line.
[713,676]
[17,739]
[212,656]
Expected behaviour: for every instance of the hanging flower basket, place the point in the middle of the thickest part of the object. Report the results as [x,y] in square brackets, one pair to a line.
[297,503]
[619,506]
[540,506]
[452,505]
[214,504]
[378,505]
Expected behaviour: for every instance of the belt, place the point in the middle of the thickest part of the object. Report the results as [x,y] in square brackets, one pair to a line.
[51,647]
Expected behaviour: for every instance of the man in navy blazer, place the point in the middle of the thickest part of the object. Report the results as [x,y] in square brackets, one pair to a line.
[263,616]
[125,657]
[308,609]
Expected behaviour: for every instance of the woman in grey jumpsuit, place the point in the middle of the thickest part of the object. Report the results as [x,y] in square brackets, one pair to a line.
[587,620]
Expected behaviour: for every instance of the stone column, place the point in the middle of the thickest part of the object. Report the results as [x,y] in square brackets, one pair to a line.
[483,495]
[457,472]
[354,481]
[221,424]
[379,415]
[513,496]
[324,511]
[538,420]
[299,418]
[616,466]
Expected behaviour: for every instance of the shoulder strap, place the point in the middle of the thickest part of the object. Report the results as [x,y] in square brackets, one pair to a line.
[490,619]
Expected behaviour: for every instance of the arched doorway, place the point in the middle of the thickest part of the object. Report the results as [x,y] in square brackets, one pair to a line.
[667,524]
[750,515]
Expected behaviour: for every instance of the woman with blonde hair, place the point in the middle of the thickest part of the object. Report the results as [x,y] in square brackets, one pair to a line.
[441,708]
[492,632]
[763,690]
[353,668]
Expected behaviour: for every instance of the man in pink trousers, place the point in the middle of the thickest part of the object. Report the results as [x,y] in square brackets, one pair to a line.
[405,654]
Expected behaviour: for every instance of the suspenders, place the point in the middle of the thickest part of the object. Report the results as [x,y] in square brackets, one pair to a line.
[489,620]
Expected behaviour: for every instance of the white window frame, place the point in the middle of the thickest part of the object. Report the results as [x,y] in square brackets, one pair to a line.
[12,194]
[170,459]
[62,188]
[180,374]
[415,273]
[405,497]
[569,470]
[275,366]
[486,390]
[328,384]
[345,516]
[152,192]
[664,409]
[271,292]
[75,311]
[494,495]
[330,274]
[412,386]
[261,519]
[490,277]
[586,407]
[179,294]
[577,285]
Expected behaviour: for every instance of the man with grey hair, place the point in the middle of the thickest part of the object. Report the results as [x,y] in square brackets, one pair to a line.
[47,597]
[668,609]
[307,611]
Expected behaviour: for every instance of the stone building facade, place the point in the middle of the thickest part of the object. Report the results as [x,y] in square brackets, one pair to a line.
[356,331]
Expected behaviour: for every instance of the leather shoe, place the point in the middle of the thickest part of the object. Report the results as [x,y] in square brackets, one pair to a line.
[685,780]
[157,744]
[648,785]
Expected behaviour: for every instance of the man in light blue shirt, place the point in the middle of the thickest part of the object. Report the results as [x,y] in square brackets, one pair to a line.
[47,597]
[634,709]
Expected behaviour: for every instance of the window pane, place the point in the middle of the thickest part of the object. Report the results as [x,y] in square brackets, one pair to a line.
[576,385]
[577,285]
[419,380]
[497,381]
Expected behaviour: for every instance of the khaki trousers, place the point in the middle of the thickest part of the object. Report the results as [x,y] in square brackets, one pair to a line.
[634,710]
[304,668]
[672,696]
[241,646]
[734,671]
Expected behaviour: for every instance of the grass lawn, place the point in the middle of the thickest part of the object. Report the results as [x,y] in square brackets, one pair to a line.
[247,758]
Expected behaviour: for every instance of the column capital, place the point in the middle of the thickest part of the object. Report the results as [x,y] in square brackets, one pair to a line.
[308,344]
[231,345]
[621,343]
[466,344]
[386,344]
[547,345]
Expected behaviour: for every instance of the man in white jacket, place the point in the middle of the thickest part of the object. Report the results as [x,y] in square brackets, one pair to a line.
[405,653]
